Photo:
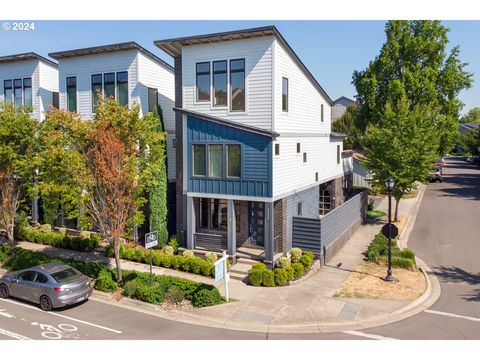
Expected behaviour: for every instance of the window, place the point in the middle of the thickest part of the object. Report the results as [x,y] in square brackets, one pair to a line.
[96,90]
[321,112]
[215,160]
[214,214]
[72,94]
[174,143]
[299,209]
[338,154]
[203,81]
[199,168]
[233,161]
[325,200]
[17,91]
[285,94]
[298,148]
[109,85]
[304,157]
[55,100]
[42,279]
[67,275]
[8,90]
[316,176]
[27,92]
[277,149]
[237,85]
[27,276]
[122,88]
[204,211]
[152,99]
[220,83]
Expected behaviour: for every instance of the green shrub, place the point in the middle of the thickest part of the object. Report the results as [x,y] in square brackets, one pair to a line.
[138,255]
[404,263]
[157,258]
[46,228]
[296,254]
[175,242]
[62,231]
[175,295]
[167,261]
[307,259]
[169,250]
[130,254]
[407,254]
[96,237]
[105,282]
[188,253]
[206,297]
[122,251]
[211,257]
[259,266]
[280,276]
[85,234]
[298,270]
[290,273]
[152,295]
[109,251]
[268,278]
[195,264]
[255,276]
[130,287]
[284,262]
[177,262]
[207,268]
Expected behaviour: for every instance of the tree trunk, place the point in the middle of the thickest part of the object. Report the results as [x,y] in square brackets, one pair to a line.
[10,231]
[116,247]
[397,201]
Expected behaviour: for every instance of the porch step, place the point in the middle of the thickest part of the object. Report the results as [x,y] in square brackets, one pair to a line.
[240,270]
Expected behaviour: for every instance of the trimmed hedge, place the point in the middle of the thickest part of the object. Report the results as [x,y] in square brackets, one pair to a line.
[105,282]
[259,275]
[307,259]
[281,278]
[377,252]
[47,237]
[298,270]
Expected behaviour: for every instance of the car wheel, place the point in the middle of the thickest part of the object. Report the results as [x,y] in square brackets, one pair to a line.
[4,293]
[45,303]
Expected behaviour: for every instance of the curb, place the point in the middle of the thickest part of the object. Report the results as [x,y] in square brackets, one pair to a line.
[405,234]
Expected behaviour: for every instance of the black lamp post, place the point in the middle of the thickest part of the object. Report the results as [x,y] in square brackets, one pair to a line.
[389,183]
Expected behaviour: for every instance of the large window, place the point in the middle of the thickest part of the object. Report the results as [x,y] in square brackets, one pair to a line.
[96,90]
[8,90]
[199,166]
[234,160]
[214,214]
[72,94]
[285,94]
[203,81]
[215,160]
[109,85]
[122,88]
[220,83]
[17,91]
[27,92]
[237,84]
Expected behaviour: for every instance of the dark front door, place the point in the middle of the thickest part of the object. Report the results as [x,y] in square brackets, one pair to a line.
[256,230]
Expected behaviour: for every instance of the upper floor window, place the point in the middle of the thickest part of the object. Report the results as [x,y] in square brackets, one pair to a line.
[55,100]
[237,84]
[8,90]
[122,88]
[233,160]
[298,148]
[220,83]
[321,112]
[27,92]
[199,164]
[277,149]
[72,94]
[299,209]
[152,99]
[338,154]
[109,85]
[215,160]
[304,157]
[285,94]
[203,81]
[96,90]
[17,91]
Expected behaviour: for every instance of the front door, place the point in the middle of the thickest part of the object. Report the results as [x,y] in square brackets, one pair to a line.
[256,231]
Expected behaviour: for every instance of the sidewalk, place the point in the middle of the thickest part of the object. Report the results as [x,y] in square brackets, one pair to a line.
[308,306]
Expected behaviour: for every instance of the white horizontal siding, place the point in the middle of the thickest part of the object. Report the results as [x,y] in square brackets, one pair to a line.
[83,67]
[48,85]
[258,71]
[304,100]
[23,69]
[291,174]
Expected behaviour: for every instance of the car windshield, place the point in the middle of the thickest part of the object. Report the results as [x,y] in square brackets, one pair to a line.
[66,275]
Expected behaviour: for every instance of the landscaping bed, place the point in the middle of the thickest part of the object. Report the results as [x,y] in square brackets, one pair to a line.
[135,284]
[377,252]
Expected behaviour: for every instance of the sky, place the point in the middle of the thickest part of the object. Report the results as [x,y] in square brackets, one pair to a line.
[332,50]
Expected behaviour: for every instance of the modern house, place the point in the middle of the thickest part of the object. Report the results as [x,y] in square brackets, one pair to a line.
[29,80]
[340,107]
[125,71]
[254,142]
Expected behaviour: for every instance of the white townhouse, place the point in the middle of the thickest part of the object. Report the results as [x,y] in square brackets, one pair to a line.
[29,80]
[254,142]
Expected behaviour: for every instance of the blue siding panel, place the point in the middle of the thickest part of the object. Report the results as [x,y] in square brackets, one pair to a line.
[256,154]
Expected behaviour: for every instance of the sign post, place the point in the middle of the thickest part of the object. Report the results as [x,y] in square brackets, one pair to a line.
[151,240]
[222,273]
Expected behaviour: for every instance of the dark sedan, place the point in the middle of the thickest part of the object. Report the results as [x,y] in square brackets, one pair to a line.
[49,285]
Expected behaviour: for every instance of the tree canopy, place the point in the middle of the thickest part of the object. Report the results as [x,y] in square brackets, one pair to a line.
[473,116]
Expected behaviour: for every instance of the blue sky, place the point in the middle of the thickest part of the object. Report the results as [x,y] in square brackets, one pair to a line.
[330,49]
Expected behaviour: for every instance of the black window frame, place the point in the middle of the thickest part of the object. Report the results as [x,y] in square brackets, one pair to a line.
[321,113]
[153,99]
[10,87]
[316,176]
[204,160]
[338,154]
[15,88]
[299,148]
[56,100]
[202,73]
[277,149]
[122,82]
[205,220]
[299,209]
[94,92]
[27,84]
[112,81]
[210,162]
[237,71]
[304,157]
[284,94]
[219,72]
[71,83]
[239,162]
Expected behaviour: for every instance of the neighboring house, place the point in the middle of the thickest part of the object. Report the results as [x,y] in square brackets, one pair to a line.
[340,107]
[254,141]
[29,80]
[361,176]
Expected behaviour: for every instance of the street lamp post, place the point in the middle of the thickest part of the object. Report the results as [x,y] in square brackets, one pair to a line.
[389,183]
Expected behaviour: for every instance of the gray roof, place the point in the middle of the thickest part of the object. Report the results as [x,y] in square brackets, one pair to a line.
[26,56]
[217,120]
[131,45]
[469,126]
[343,99]
[174,46]
[337,135]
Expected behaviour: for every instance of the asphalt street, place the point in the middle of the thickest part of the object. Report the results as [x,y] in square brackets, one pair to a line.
[445,235]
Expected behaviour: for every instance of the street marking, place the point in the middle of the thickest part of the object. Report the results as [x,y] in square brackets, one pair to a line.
[64,316]
[13,335]
[5,314]
[471,318]
[370,336]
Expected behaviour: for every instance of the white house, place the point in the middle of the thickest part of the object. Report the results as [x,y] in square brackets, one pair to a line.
[340,107]
[29,80]
[254,141]
[125,71]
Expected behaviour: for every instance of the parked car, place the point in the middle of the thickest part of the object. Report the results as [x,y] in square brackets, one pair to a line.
[436,174]
[50,285]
